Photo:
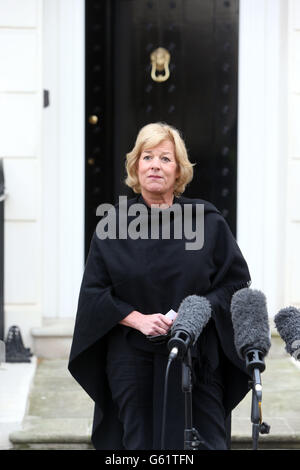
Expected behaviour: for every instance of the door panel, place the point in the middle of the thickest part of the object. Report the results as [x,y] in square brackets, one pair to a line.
[199,97]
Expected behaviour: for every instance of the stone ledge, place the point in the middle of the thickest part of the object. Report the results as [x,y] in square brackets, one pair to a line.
[73,433]
[50,431]
[53,340]
[51,328]
[52,446]
[52,347]
[283,442]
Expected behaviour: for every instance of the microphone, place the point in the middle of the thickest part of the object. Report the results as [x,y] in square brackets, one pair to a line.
[193,314]
[251,330]
[287,322]
[252,342]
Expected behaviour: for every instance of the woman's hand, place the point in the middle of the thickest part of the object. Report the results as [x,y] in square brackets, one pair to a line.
[154,324]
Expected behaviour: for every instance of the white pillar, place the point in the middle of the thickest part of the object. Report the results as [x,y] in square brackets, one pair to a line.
[63,156]
[262,144]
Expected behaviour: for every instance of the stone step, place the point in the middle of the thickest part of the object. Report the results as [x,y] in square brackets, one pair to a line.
[55,433]
[287,442]
[59,413]
[74,434]
[53,340]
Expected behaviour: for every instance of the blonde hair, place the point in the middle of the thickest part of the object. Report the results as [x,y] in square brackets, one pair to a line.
[149,136]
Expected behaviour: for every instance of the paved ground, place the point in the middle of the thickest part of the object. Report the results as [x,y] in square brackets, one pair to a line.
[59,414]
[15,382]
[280,405]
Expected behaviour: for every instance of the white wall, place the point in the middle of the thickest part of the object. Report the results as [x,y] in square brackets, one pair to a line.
[42,47]
[20,147]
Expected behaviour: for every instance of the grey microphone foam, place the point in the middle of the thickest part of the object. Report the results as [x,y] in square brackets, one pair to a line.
[287,322]
[250,321]
[193,314]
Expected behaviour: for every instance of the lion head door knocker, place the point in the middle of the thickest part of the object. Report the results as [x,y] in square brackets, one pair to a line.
[160,59]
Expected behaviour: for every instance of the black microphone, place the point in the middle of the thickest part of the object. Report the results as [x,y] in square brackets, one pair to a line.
[251,330]
[287,322]
[252,341]
[193,314]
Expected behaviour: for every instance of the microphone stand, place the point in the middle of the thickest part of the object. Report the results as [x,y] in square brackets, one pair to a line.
[255,364]
[180,348]
[256,408]
[192,439]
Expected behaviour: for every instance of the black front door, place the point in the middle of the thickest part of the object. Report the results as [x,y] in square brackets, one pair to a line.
[199,97]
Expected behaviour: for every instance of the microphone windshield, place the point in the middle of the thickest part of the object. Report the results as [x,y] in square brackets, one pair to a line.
[250,321]
[193,314]
[287,322]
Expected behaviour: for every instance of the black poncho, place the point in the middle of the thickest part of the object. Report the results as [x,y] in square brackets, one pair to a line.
[151,276]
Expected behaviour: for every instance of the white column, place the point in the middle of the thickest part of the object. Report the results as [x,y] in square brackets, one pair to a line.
[292,279]
[63,156]
[262,144]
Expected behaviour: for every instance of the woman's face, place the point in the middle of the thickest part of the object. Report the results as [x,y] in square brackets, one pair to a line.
[158,169]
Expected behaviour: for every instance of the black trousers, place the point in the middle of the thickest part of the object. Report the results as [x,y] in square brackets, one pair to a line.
[136,380]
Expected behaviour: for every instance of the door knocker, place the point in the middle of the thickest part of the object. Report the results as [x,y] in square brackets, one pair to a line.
[160,59]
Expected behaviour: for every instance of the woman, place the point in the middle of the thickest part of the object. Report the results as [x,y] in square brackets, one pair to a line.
[129,284]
